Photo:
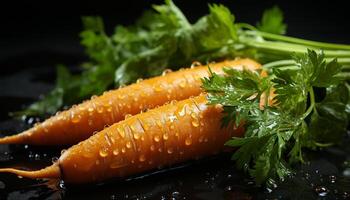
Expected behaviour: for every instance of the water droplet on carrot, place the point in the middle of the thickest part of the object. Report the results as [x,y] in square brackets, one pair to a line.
[93,97]
[195,64]
[128,144]
[166,71]
[170,150]
[158,88]
[54,160]
[142,158]
[200,140]
[90,122]
[195,123]
[183,84]
[160,149]
[201,115]
[97,162]
[139,80]
[75,118]
[193,115]
[115,152]
[109,109]
[127,116]
[156,138]
[121,96]
[137,136]
[62,151]
[123,150]
[165,136]
[99,109]
[152,147]
[188,141]
[103,152]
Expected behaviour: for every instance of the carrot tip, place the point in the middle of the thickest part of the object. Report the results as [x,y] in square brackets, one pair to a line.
[52,171]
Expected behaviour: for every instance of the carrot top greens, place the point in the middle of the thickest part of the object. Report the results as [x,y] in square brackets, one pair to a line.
[276,134]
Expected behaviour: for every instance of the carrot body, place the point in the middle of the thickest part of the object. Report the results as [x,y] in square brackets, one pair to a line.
[163,136]
[81,121]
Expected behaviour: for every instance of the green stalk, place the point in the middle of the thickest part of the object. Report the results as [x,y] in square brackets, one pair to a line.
[288,48]
[322,45]
[312,104]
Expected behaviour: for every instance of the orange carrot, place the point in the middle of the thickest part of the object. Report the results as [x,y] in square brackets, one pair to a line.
[81,121]
[163,136]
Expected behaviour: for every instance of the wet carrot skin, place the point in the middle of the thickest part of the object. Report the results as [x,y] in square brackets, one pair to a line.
[79,122]
[160,137]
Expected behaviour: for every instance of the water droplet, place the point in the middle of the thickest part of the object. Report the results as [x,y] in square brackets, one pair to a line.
[183,84]
[156,138]
[160,149]
[321,191]
[228,188]
[193,115]
[165,136]
[137,136]
[157,88]
[115,152]
[90,109]
[188,141]
[332,178]
[195,123]
[136,99]
[75,118]
[97,162]
[152,147]
[175,194]
[139,80]
[142,158]
[93,97]
[54,159]
[103,152]
[128,144]
[127,116]
[170,150]
[195,63]
[121,96]
[166,71]
[99,109]
[123,150]
[200,140]
[62,151]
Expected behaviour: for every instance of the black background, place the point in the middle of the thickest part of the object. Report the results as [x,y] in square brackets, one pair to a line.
[32,29]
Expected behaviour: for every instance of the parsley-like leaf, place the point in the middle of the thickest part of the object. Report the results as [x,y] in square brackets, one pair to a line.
[272,21]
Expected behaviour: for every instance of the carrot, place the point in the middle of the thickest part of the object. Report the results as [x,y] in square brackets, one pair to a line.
[81,121]
[163,136]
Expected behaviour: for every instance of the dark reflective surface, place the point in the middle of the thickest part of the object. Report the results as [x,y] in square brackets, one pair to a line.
[325,176]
